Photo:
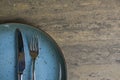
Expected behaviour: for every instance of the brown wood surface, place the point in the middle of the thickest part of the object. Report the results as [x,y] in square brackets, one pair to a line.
[87,31]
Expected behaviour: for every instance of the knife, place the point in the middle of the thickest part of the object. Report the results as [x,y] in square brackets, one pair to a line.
[20,54]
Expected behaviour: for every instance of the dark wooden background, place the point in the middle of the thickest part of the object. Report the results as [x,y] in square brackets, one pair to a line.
[87,31]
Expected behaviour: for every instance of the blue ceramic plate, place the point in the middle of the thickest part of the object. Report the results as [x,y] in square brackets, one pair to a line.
[50,64]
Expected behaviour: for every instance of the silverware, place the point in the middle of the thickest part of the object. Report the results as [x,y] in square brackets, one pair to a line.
[20,51]
[34,51]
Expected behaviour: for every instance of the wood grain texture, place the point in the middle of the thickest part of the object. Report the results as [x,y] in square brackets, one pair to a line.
[88,32]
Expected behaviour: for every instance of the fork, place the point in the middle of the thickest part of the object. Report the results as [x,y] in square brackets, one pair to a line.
[34,51]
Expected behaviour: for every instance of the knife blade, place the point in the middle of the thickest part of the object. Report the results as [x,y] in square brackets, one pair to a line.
[20,54]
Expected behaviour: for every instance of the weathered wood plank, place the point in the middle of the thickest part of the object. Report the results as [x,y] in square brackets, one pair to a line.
[88,32]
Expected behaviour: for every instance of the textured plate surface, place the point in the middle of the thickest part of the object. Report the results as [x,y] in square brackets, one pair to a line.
[50,64]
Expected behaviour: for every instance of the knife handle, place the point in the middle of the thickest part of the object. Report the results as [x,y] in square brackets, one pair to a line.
[19,76]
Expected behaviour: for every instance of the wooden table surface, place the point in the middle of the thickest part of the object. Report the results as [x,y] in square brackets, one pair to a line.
[87,31]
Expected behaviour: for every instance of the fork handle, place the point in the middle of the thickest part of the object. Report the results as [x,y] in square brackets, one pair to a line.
[33,69]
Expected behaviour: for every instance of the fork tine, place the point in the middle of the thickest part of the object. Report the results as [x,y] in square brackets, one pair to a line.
[36,43]
[33,46]
[30,47]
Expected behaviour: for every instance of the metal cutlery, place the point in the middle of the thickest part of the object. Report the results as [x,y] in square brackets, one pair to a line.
[34,51]
[21,55]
